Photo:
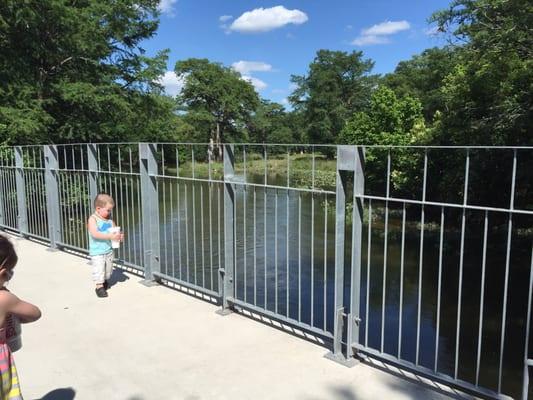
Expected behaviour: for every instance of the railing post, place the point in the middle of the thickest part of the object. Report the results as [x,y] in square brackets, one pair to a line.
[357,234]
[93,171]
[51,179]
[22,217]
[346,156]
[149,211]
[225,276]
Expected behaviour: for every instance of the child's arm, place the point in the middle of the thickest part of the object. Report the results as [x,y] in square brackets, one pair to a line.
[26,312]
[93,231]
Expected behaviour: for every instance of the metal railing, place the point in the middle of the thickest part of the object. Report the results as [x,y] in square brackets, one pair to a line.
[402,253]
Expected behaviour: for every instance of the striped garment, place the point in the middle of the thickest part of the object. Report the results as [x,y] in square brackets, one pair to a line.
[9,389]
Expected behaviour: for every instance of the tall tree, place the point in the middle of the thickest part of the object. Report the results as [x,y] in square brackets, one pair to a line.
[219,94]
[337,85]
[270,124]
[423,76]
[488,95]
[75,70]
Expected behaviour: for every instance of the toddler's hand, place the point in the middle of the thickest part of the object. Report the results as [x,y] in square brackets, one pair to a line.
[115,236]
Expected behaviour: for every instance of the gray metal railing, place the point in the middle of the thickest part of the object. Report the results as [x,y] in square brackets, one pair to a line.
[401,253]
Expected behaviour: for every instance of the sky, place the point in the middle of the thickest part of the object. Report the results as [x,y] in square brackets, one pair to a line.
[268,41]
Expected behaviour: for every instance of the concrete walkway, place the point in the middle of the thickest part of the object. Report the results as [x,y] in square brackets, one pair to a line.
[144,343]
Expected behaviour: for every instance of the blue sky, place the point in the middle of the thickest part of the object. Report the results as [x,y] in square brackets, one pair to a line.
[268,41]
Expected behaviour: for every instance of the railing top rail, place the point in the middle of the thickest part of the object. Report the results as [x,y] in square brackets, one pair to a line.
[379,146]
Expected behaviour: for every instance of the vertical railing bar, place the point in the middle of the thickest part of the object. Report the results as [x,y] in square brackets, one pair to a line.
[193,187]
[265,294]
[202,231]
[124,219]
[187,230]
[312,254]
[244,163]
[77,209]
[162,159]
[369,243]
[299,257]
[287,256]
[119,160]
[210,186]
[402,263]
[245,248]
[439,288]
[108,160]
[325,259]
[98,162]
[313,169]
[255,247]
[129,234]
[177,162]
[461,261]
[266,165]
[142,243]
[276,251]
[235,235]
[172,243]
[385,252]
[193,167]
[525,377]
[506,280]
[73,157]
[482,298]
[288,168]
[421,259]
[163,224]
[219,235]
[178,194]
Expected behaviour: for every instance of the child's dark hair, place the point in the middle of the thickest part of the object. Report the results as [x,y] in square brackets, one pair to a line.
[8,256]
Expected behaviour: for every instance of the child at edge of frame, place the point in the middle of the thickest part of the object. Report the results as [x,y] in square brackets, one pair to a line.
[13,312]
[99,227]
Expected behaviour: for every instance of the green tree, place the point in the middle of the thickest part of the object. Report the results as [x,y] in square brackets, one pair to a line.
[389,121]
[488,95]
[269,124]
[76,71]
[219,94]
[337,85]
[423,76]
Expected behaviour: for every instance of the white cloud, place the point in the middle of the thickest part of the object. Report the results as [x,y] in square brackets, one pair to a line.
[167,7]
[245,67]
[225,18]
[171,83]
[369,40]
[258,83]
[285,101]
[378,34]
[267,19]
[386,28]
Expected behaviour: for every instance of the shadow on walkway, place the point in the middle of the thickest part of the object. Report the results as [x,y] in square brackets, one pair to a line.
[60,394]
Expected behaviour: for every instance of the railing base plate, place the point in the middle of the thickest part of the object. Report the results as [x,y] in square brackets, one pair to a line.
[340,359]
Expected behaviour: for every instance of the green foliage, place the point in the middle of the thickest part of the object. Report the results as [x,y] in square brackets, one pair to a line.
[487,96]
[422,77]
[337,85]
[75,71]
[217,96]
